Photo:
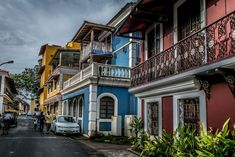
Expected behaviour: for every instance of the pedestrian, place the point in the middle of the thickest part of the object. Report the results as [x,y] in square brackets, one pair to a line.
[48,121]
[35,123]
[1,122]
[6,125]
[41,119]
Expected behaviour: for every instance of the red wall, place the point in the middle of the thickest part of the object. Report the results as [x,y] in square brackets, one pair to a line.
[167,114]
[218,8]
[220,106]
[167,38]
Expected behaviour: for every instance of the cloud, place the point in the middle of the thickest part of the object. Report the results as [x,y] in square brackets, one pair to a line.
[16,38]
[25,25]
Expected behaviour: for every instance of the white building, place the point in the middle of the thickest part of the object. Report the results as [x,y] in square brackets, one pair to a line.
[7,90]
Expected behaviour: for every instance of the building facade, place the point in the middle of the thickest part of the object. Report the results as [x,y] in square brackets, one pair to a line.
[7,91]
[187,65]
[64,65]
[46,52]
[98,95]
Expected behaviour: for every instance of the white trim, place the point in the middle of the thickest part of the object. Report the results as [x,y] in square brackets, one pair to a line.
[81,118]
[203,13]
[161,37]
[80,99]
[74,104]
[139,109]
[150,28]
[175,22]
[172,87]
[153,99]
[130,51]
[92,110]
[202,106]
[98,109]
[65,105]
[120,48]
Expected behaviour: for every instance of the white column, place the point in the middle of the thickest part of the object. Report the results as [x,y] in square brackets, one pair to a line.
[1,94]
[59,107]
[1,104]
[2,85]
[139,111]
[92,110]
[130,52]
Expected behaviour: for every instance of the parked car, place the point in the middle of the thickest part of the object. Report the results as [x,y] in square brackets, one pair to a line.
[29,114]
[23,114]
[11,116]
[65,125]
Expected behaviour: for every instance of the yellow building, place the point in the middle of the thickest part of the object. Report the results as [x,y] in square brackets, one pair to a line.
[64,65]
[46,52]
[32,105]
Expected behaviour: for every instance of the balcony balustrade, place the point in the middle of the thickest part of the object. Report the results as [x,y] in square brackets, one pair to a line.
[99,70]
[211,44]
[97,48]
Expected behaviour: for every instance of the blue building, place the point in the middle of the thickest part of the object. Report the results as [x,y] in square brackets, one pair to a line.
[98,95]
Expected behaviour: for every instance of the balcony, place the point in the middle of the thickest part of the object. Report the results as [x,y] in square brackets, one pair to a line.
[211,44]
[96,70]
[96,48]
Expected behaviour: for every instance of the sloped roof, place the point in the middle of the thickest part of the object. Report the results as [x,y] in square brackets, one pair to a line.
[87,27]
[145,13]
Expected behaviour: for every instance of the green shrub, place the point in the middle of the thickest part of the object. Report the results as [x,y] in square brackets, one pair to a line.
[136,126]
[184,143]
[161,147]
[216,145]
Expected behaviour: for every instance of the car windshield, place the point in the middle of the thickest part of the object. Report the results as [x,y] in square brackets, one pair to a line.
[63,119]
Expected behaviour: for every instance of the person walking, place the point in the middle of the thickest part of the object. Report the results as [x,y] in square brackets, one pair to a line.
[6,124]
[48,121]
[1,122]
[41,119]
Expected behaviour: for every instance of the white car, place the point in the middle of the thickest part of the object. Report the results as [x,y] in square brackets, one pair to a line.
[65,125]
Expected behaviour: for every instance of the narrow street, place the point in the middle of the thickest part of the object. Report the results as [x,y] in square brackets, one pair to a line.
[23,141]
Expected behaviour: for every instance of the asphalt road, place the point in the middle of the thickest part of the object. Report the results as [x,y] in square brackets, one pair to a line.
[23,141]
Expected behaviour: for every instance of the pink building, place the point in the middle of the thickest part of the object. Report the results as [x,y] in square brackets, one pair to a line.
[186,74]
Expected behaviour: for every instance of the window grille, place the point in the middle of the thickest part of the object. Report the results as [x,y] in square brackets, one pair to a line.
[189,113]
[153,118]
[106,107]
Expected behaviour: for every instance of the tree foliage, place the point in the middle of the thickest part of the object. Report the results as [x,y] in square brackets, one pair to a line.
[27,83]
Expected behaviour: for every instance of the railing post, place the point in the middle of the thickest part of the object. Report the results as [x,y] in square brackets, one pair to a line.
[81,75]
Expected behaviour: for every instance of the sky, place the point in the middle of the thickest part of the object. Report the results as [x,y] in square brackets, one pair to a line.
[25,25]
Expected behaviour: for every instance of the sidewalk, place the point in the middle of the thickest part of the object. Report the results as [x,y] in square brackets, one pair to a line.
[109,150]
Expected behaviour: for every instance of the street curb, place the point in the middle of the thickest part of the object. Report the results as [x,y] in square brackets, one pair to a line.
[134,152]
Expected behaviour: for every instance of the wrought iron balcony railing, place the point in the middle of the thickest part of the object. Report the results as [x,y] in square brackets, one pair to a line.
[211,44]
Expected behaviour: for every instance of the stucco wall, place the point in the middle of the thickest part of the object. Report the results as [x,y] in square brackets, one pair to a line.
[220,106]
[218,8]
[85,92]
[126,104]
[121,57]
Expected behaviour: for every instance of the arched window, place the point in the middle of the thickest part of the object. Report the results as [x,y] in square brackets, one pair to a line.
[65,107]
[106,107]
[70,107]
[75,107]
[80,108]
